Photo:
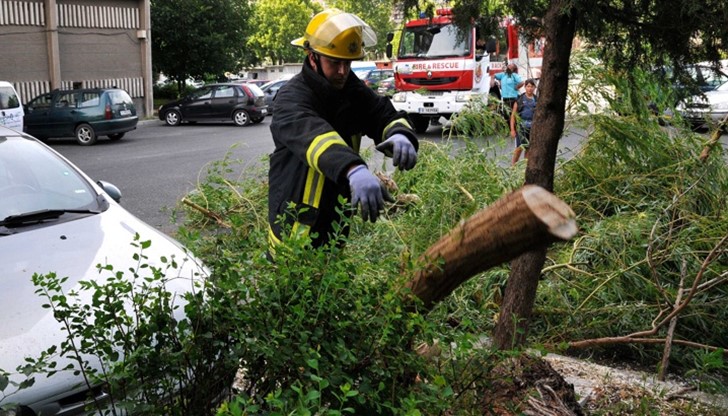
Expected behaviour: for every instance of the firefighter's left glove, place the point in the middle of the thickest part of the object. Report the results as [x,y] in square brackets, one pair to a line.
[400,148]
[367,192]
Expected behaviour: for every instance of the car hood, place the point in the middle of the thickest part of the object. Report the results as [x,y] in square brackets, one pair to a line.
[71,249]
[711,98]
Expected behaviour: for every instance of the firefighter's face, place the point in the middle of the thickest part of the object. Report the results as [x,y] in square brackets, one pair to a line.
[335,70]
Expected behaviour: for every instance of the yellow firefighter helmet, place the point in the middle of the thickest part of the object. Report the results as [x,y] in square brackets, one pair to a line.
[337,35]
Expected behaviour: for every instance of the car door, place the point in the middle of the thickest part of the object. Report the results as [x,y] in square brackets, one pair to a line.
[224,99]
[37,112]
[63,114]
[198,105]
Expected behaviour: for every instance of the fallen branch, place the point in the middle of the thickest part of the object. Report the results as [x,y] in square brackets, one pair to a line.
[519,222]
[596,342]
[206,212]
[714,138]
[671,329]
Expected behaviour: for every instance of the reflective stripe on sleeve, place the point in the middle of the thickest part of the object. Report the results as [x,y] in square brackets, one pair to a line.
[389,126]
[319,145]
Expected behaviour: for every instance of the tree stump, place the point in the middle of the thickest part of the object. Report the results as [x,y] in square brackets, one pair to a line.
[519,222]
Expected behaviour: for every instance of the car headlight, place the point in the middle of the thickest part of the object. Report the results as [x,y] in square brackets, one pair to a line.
[463,96]
[399,97]
[721,106]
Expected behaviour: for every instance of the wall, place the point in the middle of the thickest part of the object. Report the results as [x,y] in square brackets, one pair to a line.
[48,44]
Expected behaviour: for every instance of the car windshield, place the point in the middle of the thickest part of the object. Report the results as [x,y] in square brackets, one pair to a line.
[433,42]
[34,179]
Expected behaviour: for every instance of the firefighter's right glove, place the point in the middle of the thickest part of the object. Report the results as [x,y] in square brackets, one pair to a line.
[400,148]
[367,193]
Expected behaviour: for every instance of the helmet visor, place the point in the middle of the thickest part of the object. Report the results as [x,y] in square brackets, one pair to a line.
[335,25]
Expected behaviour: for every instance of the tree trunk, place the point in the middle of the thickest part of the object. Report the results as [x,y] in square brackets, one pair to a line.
[559,26]
[521,221]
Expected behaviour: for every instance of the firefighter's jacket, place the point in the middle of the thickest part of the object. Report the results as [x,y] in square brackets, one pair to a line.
[317,131]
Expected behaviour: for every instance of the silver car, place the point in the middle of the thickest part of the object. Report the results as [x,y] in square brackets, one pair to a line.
[54,218]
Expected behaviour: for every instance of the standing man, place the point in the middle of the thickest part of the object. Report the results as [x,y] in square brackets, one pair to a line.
[319,118]
[510,82]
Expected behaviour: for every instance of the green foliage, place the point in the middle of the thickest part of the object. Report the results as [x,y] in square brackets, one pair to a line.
[275,24]
[169,91]
[650,210]
[482,118]
[327,331]
[209,44]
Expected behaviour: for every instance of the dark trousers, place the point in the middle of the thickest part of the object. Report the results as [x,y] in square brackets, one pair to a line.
[507,108]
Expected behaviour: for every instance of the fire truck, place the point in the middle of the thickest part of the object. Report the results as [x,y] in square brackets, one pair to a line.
[439,69]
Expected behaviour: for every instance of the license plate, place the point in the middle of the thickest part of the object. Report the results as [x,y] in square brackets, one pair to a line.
[427,110]
[125,112]
[264,111]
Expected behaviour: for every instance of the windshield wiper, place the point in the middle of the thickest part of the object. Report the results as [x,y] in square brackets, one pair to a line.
[35,217]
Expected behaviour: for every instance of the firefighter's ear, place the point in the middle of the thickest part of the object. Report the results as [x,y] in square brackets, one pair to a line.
[312,60]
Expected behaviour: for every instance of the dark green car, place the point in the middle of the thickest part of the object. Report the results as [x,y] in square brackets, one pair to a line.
[84,114]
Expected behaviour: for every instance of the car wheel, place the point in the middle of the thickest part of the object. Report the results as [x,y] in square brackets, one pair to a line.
[85,135]
[116,136]
[241,118]
[173,118]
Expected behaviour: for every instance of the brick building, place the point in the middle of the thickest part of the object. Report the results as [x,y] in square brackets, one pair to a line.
[49,44]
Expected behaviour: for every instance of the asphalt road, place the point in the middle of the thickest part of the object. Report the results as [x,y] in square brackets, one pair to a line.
[155,166]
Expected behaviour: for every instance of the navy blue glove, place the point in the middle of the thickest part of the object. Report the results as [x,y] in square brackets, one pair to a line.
[403,153]
[367,191]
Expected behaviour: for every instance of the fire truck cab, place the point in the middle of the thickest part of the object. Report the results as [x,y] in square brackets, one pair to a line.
[438,69]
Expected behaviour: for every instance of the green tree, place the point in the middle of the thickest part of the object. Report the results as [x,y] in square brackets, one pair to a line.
[626,34]
[198,38]
[275,24]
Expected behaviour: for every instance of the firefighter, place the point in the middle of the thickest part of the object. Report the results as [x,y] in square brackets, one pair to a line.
[319,118]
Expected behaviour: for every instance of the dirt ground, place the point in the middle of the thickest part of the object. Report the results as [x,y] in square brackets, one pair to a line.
[603,390]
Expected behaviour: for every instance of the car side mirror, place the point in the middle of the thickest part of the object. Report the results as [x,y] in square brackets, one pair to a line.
[390,37]
[111,190]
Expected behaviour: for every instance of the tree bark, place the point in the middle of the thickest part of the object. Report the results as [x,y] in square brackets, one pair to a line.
[548,126]
[522,220]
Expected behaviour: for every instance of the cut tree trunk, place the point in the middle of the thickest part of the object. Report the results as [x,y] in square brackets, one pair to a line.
[528,218]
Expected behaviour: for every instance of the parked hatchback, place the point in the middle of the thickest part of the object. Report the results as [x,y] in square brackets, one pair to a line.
[375,76]
[243,104]
[84,114]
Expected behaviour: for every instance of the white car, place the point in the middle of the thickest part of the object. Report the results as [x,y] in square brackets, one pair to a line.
[709,108]
[54,218]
